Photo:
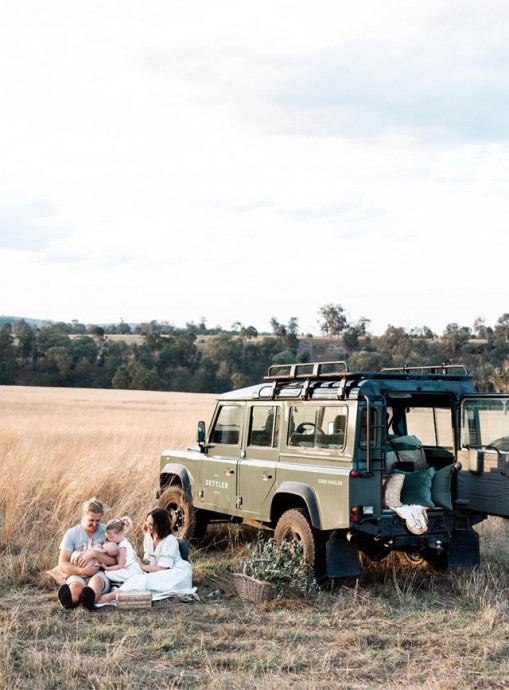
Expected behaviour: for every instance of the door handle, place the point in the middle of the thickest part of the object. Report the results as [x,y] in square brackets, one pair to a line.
[228,472]
[266,476]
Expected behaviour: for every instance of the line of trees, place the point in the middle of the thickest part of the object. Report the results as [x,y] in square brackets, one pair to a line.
[163,357]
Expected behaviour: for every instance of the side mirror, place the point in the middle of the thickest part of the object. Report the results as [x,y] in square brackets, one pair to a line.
[201,436]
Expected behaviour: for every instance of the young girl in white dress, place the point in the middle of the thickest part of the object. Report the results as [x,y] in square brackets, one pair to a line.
[127,562]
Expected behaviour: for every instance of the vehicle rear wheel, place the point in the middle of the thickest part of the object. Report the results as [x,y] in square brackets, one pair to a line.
[294,526]
[187,522]
[415,559]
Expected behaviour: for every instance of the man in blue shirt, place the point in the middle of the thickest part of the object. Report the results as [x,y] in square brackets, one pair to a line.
[85,580]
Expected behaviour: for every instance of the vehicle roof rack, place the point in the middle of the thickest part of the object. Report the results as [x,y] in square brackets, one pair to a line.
[434,369]
[315,370]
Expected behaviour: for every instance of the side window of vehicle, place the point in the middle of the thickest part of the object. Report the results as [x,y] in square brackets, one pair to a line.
[263,426]
[368,428]
[227,427]
[318,426]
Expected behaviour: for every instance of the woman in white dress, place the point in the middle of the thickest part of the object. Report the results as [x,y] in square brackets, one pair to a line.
[164,569]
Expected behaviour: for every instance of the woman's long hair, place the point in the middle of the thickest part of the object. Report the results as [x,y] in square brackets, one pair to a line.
[162,522]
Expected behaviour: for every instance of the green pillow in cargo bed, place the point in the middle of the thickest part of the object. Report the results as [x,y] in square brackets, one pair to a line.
[441,487]
[409,449]
[417,487]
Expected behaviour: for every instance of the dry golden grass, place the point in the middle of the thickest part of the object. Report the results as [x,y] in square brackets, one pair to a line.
[395,627]
[61,446]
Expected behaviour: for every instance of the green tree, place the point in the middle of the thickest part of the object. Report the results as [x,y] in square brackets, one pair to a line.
[96,331]
[480,328]
[136,376]
[422,332]
[502,326]
[351,337]
[249,332]
[58,360]
[78,328]
[278,328]
[122,378]
[291,340]
[287,332]
[500,378]
[333,319]
[123,327]
[85,349]
[363,325]
[365,360]
[392,338]
[26,341]
[7,356]
[239,381]
[293,325]
[284,357]
[455,337]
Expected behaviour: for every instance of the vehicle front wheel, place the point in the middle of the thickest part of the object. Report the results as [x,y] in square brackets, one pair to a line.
[187,522]
[294,526]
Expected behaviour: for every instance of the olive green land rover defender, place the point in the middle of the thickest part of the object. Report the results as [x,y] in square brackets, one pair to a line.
[309,453]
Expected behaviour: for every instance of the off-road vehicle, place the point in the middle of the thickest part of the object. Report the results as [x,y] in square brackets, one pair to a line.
[308,453]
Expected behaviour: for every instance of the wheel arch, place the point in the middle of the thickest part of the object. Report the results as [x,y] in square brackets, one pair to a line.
[174,474]
[295,495]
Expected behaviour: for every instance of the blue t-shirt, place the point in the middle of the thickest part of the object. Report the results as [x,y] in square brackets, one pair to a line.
[76,539]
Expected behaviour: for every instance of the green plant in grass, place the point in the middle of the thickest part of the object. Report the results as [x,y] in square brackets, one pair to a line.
[282,566]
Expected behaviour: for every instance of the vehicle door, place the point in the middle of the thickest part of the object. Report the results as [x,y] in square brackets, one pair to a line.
[259,457]
[219,466]
[483,483]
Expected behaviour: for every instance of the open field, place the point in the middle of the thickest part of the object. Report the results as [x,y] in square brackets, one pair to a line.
[396,627]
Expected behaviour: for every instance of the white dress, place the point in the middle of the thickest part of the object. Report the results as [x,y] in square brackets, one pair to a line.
[177,575]
[131,564]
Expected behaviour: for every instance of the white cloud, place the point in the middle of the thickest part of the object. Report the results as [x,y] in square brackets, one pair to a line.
[246,160]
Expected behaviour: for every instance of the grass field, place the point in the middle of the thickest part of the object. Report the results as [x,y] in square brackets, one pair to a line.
[395,627]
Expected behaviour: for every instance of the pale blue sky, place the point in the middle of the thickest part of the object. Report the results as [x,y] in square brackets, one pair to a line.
[241,160]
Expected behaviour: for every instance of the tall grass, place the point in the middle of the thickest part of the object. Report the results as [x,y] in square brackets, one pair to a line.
[395,627]
[59,447]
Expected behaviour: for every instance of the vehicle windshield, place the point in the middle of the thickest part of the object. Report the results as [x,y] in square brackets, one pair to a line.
[485,423]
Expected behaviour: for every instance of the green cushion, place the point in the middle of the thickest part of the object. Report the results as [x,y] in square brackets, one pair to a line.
[441,487]
[409,449]
[417,487]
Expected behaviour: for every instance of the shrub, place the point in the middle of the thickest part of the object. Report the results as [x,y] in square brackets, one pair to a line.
[283,566]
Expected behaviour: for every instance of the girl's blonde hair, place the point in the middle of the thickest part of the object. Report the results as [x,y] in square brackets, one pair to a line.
[93,505]
[118,525]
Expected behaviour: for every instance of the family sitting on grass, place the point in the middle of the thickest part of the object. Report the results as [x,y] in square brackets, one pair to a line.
[99,561]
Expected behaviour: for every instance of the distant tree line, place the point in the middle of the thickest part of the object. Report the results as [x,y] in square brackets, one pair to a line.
[164,357]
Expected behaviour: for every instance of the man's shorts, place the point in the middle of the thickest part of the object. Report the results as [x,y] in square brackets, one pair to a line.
[85,580]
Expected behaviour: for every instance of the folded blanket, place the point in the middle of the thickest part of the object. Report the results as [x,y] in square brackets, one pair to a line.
[415,517]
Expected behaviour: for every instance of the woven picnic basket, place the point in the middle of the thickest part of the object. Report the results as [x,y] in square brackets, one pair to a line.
[253,590]
[134,600]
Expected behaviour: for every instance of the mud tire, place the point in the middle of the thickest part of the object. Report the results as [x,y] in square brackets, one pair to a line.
[187,522]
[294,525]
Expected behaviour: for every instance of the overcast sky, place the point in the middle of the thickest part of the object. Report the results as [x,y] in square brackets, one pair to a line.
[171,159]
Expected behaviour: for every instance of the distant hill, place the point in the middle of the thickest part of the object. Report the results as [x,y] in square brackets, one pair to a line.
[34,323]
